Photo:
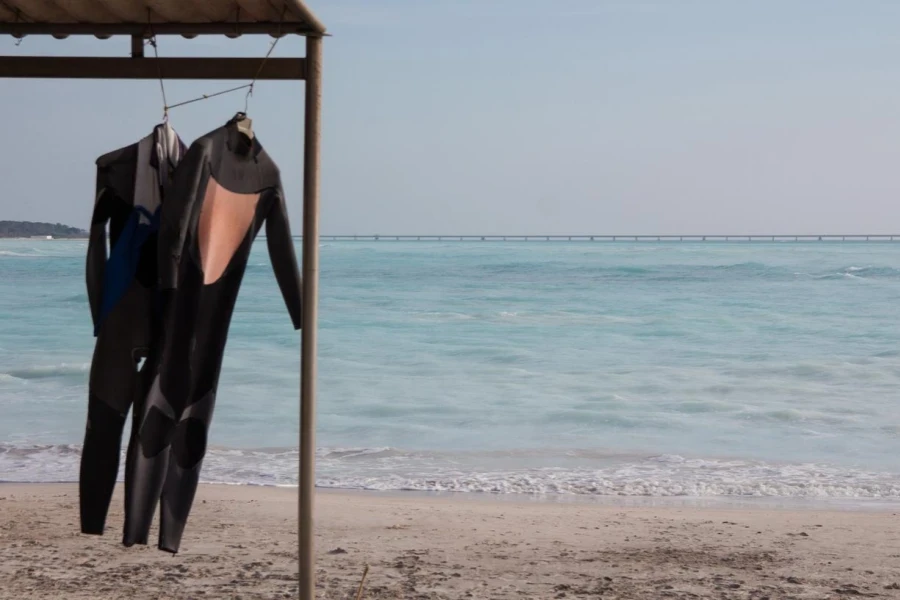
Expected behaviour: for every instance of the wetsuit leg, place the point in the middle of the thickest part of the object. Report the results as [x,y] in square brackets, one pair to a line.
[99,463]
[183,474]
[142,388]
[169,391]
[148,462]
[214,306]
[112,387]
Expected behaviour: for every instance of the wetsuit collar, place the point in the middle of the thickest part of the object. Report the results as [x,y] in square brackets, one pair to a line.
[237,142]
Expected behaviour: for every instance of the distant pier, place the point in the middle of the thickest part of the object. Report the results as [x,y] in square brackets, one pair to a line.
[613,238]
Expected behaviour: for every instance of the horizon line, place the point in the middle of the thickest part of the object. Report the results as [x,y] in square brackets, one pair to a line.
[616,236]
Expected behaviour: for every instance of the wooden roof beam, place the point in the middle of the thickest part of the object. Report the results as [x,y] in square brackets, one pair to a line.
[59,67]
[145,30]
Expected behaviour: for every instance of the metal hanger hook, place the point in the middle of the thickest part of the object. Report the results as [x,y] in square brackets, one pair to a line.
[247,98]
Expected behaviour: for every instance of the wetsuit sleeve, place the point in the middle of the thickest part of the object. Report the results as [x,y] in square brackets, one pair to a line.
[284,259]
[96,253]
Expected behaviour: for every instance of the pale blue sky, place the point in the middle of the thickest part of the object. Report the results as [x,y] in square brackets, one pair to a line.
[515,116]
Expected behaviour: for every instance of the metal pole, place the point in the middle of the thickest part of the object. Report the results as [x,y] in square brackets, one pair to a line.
[307,481]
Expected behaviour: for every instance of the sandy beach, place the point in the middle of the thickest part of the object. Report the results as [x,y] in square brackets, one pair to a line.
[241,543]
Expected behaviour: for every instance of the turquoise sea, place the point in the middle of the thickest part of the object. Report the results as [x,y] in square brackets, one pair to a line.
[593,369]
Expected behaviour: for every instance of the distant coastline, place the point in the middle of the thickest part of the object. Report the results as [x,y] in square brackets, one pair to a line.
[39,230]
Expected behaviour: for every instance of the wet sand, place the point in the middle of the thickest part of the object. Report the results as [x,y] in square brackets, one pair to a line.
[241,543]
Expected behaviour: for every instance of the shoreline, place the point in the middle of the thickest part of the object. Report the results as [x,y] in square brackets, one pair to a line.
[823,503]
[781,503]
[874,505]
[241,542]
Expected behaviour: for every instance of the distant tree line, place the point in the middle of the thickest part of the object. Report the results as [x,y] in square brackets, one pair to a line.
[28,228]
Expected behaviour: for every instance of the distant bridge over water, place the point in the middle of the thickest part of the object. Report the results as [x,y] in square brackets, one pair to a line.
[614,238]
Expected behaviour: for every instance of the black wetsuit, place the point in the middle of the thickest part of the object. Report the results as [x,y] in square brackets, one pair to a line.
[124,307]
[223,191]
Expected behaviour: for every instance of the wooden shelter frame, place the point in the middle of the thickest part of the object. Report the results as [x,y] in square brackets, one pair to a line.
[18,19]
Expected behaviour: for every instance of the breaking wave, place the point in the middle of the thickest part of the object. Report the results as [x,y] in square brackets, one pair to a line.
[47,371]
[589,473]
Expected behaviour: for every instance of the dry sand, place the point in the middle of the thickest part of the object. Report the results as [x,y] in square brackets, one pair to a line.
[241,543]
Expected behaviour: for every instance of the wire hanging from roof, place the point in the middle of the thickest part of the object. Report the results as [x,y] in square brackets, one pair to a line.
[162,86]
[247,86]
[208,96]
[265,58]
[21,37]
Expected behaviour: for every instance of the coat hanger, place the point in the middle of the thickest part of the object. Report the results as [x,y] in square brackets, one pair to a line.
[244,124]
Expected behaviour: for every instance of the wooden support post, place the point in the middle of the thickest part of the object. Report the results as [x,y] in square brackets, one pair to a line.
[307,479]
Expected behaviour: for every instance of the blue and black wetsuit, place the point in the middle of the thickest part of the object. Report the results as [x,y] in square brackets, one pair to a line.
[122,292]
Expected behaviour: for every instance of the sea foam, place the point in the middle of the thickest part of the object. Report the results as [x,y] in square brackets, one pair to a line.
[389,469]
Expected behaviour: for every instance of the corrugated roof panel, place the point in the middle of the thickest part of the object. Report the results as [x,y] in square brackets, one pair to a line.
[186,17]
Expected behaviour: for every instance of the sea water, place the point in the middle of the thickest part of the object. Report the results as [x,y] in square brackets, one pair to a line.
[593,369]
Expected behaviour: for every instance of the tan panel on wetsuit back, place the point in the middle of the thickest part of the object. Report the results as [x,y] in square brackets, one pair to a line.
[225,218]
